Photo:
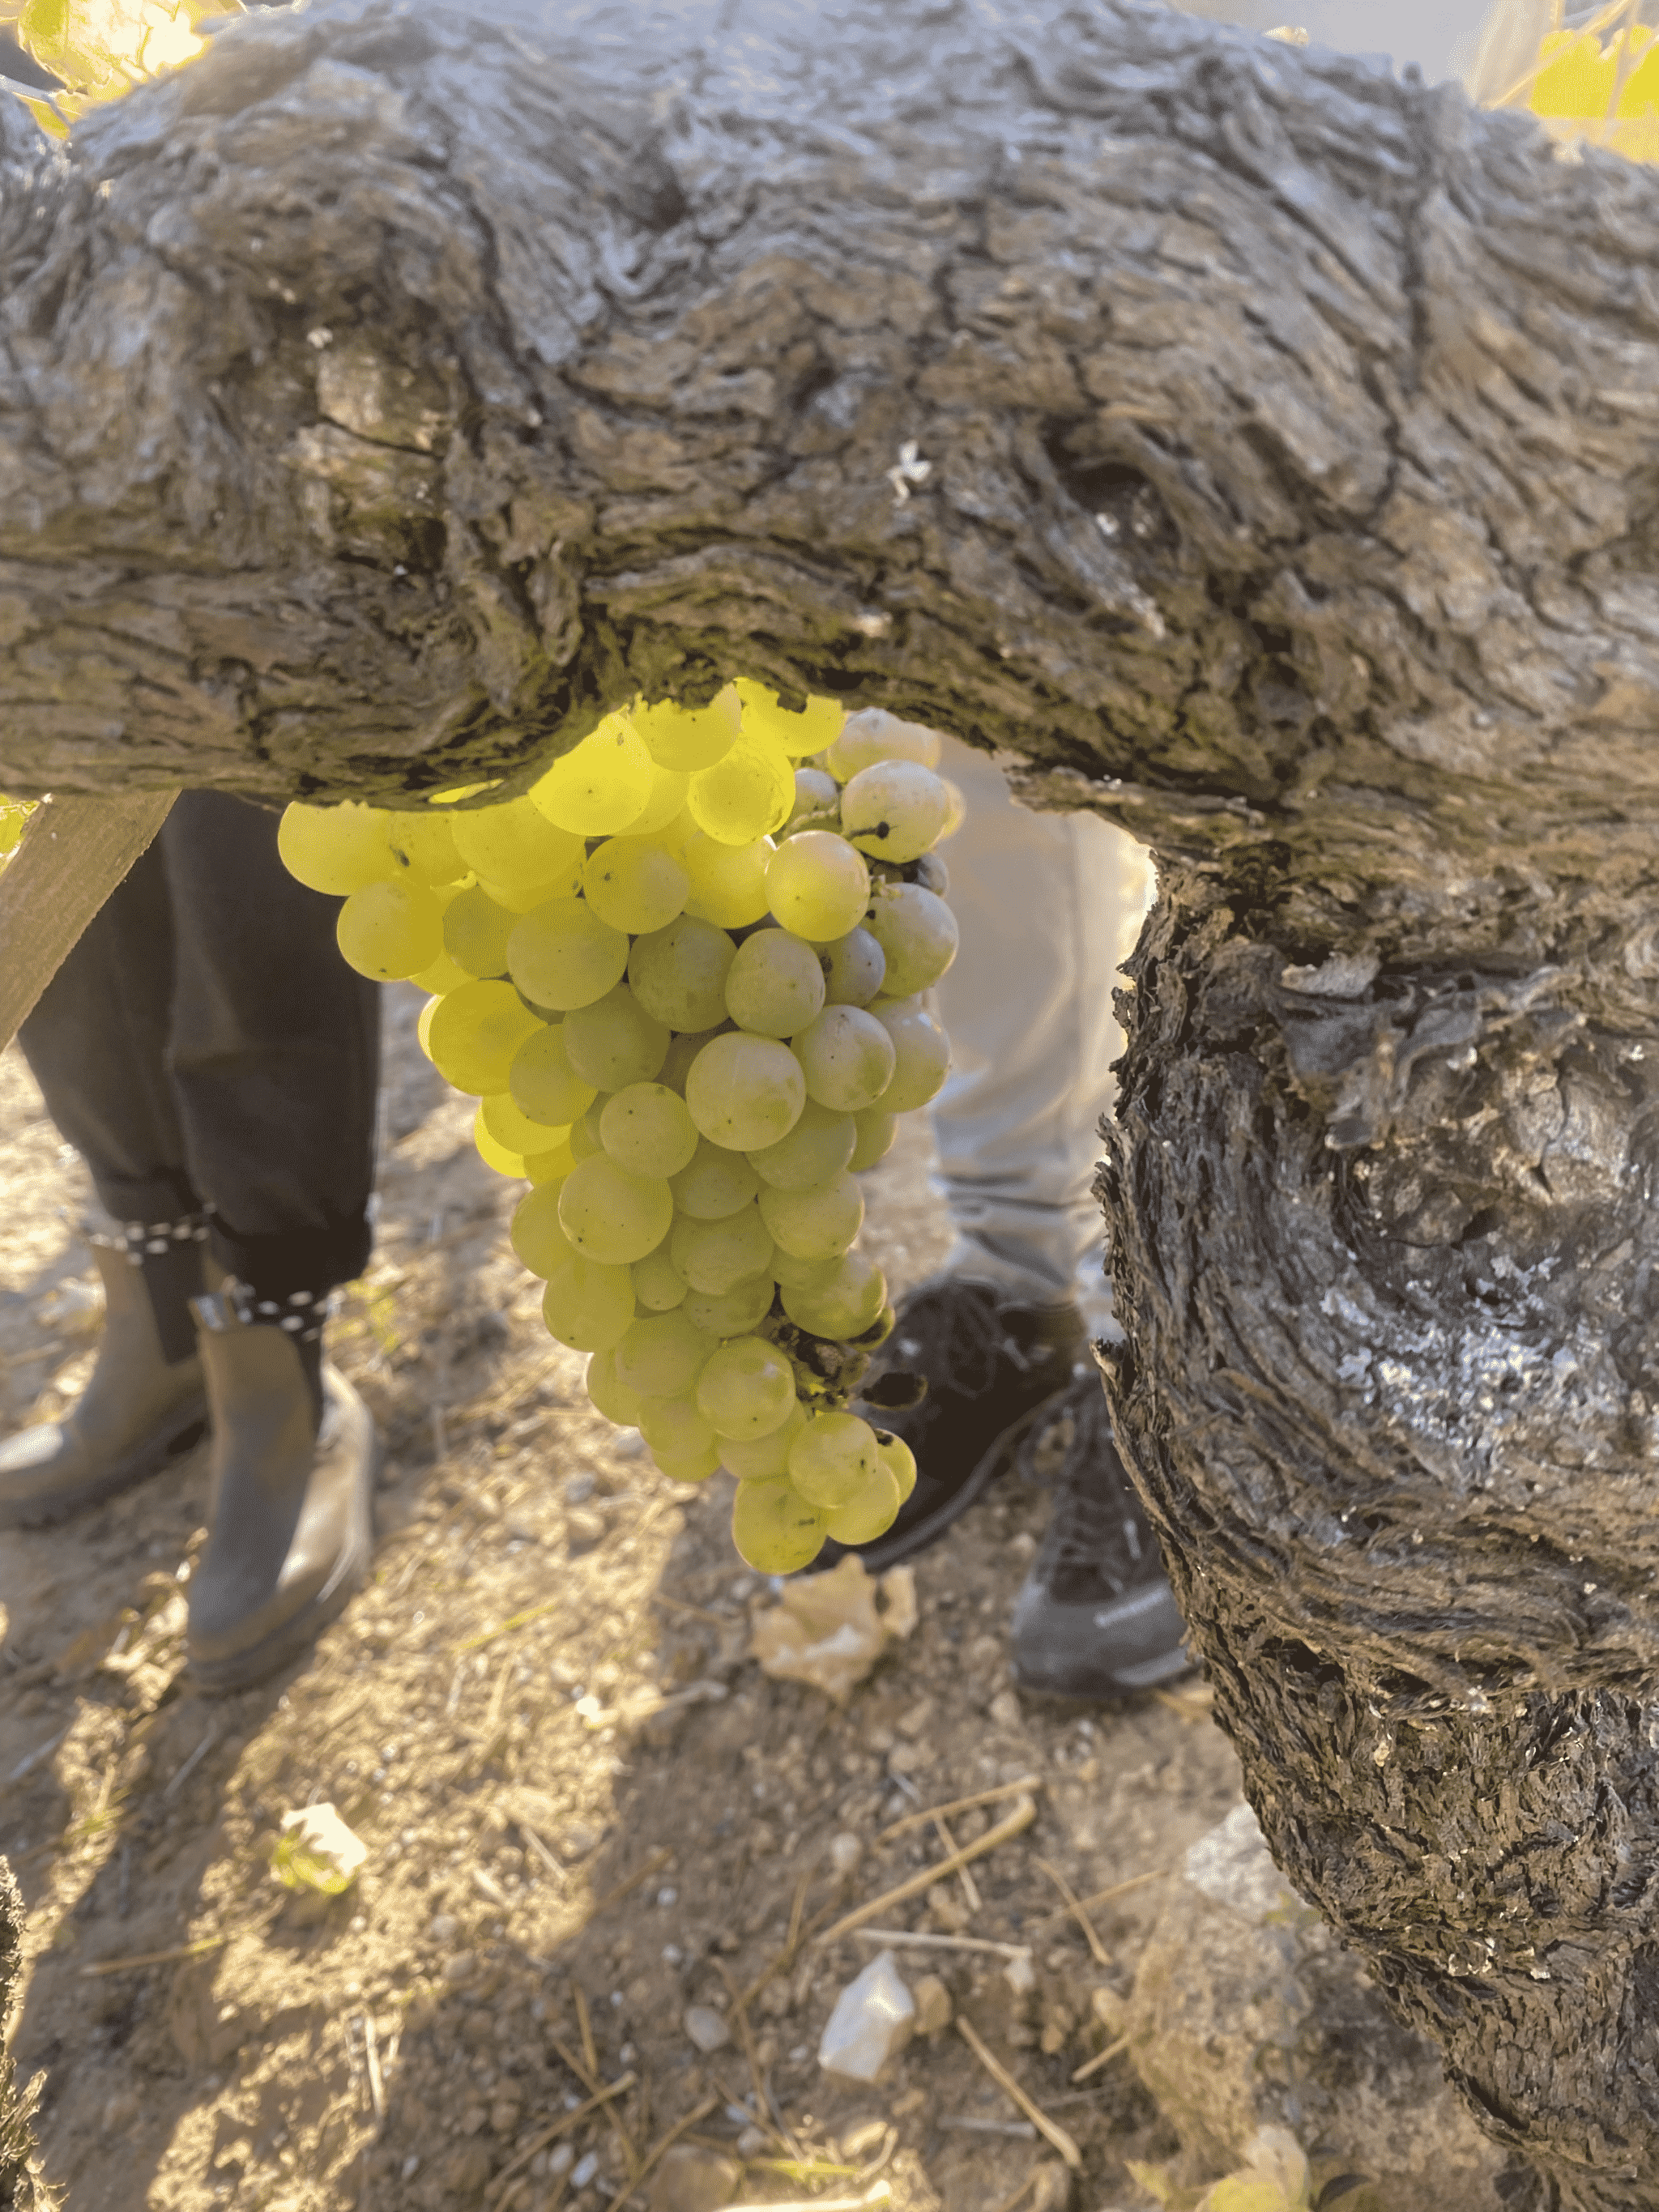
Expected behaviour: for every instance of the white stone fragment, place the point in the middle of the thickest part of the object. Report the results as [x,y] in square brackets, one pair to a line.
[871,2023]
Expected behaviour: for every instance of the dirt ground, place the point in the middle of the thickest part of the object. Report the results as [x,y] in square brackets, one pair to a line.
[588,1812]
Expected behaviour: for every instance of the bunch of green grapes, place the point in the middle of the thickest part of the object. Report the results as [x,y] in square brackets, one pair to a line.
[14,814]
[686,975]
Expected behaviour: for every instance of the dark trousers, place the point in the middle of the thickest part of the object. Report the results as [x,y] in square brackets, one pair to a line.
[204,1046]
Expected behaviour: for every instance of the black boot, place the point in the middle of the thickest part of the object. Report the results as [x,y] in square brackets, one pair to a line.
[293,1460]
[143,1406]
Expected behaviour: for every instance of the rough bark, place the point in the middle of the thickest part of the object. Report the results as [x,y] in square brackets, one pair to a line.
[1258,451]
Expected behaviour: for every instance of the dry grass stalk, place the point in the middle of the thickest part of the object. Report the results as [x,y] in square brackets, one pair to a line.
[562,2126]
[1050,2129]
[924,1939]
[1023,2191]
[155,1958]
[1027,1785]
[658,1860]
[969,1886]
[1102,2058]
[1017,1822]
[586,2071]
[648,2164]
[1098,1950]
[1122,1889]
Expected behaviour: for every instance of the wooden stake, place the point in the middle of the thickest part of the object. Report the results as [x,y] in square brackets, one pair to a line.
[1019,1820]
[1034,2113]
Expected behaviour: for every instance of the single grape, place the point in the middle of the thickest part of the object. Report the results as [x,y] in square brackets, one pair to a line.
[833,1459]
[876,1133]
[495,1156]
[735,1312]
[634,884]
[646,1129]
[819,1224]
[817,801]
[766,1458]
[746,795]
[679,973]
[513,844]
[957,809]
[847,1057]
[727,882]
[550,1167]
[840,1304]
[389,930]
[817,886]
[443,974]
[683,1049]
[674,1427]
[659,1287]
[510,1126]
[543,1083]
[894,810]
[600,786]
[585,1142]
[537,1236]
[795,731]
[690,737]
[745,1091]
[930,872]
[922,1054]
[663,1355]
[869,1514]
[900,1462]
[615,1042]
[717,1255]
[335,849]
[475,1034]
[423,846]
[815,1151]
[775,1531]
[917,933]
[562,956]
[746,1388]
[695,1467]
[854,968]
[717,1183]
[611,1216]
[873,735]
[609,1397]
[666,806]
[475,931]
[523,899]
[587,1306]
[774,986]
[811,1275]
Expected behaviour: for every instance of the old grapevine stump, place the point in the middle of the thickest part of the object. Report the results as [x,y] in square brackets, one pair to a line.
[1265,453]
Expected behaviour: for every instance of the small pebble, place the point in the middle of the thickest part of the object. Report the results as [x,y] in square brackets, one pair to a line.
[443,1928]
[578,1489]
[706,2028]
[845,1852]
[585,2170]
[460,1966]
[561,2160]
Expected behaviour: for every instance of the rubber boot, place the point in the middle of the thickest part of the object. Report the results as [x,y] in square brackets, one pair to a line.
[138,1414]
[289,1527]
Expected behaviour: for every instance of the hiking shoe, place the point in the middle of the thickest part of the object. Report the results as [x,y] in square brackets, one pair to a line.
[1095,1617]
[988,1368]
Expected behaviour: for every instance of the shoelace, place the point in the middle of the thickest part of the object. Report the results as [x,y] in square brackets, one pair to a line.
[1096,1524]
[955,1337]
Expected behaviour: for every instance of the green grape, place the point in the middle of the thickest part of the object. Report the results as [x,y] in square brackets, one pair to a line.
[745,1091]
[675,1428]
[663,1355]
[841,1302]
[900,1462]
[817,886]
[833,1459]
[536,1235]
[775,1531]
[922,1054]
[876,1133]
[475,1034]
[587,1306]
[735,1312]
[917,933]
[510,1126]
[854,968]
[585,1142]
[611,1216]
[869,1514]
[894,809]
[609,1397]
[717,1183]
[646,1129]
[695,1468]
[423,846]
[682,1051]
[815,1151]
[817,801]
[930,871]
[389,930]
[335,849]
[814,1225]
[690,737]
[659,1287]
[550,1167]
[776,984]
[956,807]
[444,974]
[792,1274]
[795,731]
[746,1388]
[765,1458]
[543,1083]
[475,931]
[847,1057]
[666,803]
[746,795]
[873,735]
[718,1255]
[727,882]
[634,884]
[615,1042]
[495,1155]
[679,973]
[562,956]
[523,899]
[513,844]
[600,786]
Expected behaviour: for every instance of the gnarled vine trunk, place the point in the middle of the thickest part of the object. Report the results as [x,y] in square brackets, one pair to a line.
[1258,451]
